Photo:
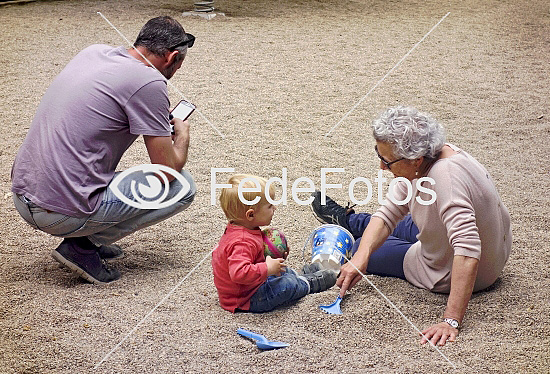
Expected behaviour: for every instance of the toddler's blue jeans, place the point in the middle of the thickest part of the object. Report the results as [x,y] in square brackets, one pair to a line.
[277,291]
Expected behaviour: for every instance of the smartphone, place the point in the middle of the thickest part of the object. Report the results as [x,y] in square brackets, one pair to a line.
[183,110]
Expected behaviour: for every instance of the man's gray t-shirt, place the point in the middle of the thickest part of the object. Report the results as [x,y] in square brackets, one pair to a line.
[91,113]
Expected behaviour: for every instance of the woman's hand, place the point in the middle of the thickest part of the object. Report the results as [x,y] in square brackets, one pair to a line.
[463,277]
[373,237]
[439,334]
[349,276]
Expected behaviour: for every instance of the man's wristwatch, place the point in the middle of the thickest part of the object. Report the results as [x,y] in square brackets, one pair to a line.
[452,322]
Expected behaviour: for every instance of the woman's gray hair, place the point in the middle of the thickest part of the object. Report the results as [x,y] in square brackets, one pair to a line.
[411,134]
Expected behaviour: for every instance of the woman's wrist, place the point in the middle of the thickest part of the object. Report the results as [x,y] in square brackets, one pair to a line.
[361,258]
[453,316]
[453,322]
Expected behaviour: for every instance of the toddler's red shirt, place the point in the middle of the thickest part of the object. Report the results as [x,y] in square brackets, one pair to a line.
[239,267]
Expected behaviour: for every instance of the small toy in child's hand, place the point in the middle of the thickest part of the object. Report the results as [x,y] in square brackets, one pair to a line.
[275,244]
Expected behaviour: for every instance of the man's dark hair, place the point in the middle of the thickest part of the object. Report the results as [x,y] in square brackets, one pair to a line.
[159,35]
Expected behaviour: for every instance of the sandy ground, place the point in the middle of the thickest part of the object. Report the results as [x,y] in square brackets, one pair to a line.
[274,76]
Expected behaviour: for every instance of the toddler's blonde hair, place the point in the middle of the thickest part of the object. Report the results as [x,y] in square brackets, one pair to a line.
[232,206]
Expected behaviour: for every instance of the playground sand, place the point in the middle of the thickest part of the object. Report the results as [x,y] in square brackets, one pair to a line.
[274,77]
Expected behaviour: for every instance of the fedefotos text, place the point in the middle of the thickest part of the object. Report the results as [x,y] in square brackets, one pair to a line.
[309,188]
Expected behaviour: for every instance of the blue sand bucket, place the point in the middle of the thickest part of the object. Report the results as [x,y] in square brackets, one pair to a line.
[329,245]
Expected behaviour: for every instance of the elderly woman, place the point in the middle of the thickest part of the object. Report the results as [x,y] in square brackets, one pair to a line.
[457,244]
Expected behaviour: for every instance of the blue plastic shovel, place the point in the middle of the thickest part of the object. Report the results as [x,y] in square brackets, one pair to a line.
[261,341]
[333,308]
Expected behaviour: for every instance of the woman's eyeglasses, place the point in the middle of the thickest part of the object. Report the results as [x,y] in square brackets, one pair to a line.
[388,164]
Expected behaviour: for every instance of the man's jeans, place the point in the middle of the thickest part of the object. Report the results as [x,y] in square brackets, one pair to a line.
[113,220]
[277,291]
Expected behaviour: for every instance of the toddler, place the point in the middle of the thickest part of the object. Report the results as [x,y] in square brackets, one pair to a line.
[246,280]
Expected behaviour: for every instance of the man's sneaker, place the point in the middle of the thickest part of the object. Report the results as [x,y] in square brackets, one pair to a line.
[85,262]
[106,252]
[110,252]
[311,268]
[331,212]
[321,280]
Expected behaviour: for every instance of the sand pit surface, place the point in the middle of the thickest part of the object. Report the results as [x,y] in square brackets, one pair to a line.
[274,77]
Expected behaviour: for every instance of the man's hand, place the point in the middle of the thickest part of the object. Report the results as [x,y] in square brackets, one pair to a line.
[349,276]
[439,334]
[180,127]
[274,265]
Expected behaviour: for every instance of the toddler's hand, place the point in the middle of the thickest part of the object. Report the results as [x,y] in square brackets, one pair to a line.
[274,265]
